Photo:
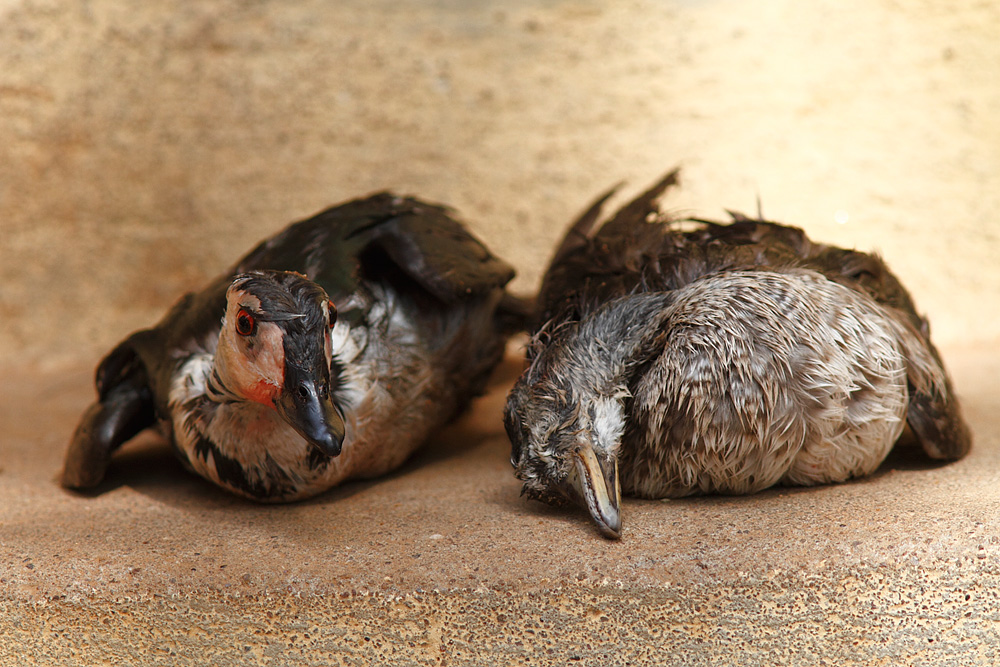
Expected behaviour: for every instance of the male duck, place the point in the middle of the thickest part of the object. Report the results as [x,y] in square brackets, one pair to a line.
[329,352]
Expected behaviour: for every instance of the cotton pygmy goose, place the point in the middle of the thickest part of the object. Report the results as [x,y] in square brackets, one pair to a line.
[677,358]
[329,352]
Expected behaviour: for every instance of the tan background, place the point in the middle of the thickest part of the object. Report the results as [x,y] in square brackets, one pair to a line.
[143,148]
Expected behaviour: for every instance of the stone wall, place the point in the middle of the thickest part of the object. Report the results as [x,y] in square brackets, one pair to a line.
[144,147]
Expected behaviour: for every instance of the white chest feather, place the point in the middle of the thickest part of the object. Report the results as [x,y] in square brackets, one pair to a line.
[385,390]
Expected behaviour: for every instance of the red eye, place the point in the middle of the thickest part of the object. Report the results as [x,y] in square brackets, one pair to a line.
[332,309]
[246,325]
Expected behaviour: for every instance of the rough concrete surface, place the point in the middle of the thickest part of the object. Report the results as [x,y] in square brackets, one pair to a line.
[444,562]
[144,147]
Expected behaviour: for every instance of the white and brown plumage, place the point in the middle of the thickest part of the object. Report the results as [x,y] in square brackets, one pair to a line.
[329,352]
[715,358]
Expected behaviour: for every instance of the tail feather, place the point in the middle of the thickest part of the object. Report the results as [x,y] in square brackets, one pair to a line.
[123,409]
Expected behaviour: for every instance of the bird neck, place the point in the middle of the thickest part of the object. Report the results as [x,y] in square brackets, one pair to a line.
[198,390]
[220,433]
[603,349]
[216,390]
[616,334]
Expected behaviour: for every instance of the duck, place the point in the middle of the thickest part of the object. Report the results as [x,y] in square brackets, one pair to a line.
[331,351]
[677,357]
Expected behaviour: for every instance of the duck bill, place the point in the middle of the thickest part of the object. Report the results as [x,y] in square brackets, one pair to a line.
[594,485]
[311,413]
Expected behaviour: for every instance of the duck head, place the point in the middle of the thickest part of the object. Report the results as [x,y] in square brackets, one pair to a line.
[275,349]
[565,428]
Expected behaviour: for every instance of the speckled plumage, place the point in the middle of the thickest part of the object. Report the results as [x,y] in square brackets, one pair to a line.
[411,334]
[694,357]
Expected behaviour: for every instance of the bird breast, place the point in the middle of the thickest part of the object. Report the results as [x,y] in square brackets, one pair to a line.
[760,377]
[390,387]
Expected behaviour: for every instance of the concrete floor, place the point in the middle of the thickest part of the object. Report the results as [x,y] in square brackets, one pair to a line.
[444,564]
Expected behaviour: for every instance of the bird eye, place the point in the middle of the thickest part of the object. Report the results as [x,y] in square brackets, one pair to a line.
[246,325]
[332,309]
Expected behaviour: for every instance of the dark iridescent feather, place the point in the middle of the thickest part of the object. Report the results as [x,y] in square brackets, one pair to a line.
[419,248]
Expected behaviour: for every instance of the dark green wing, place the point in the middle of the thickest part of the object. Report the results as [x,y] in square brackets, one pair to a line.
[339,246]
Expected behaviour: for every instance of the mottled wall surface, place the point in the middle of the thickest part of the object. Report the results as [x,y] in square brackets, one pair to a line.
[144,147]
